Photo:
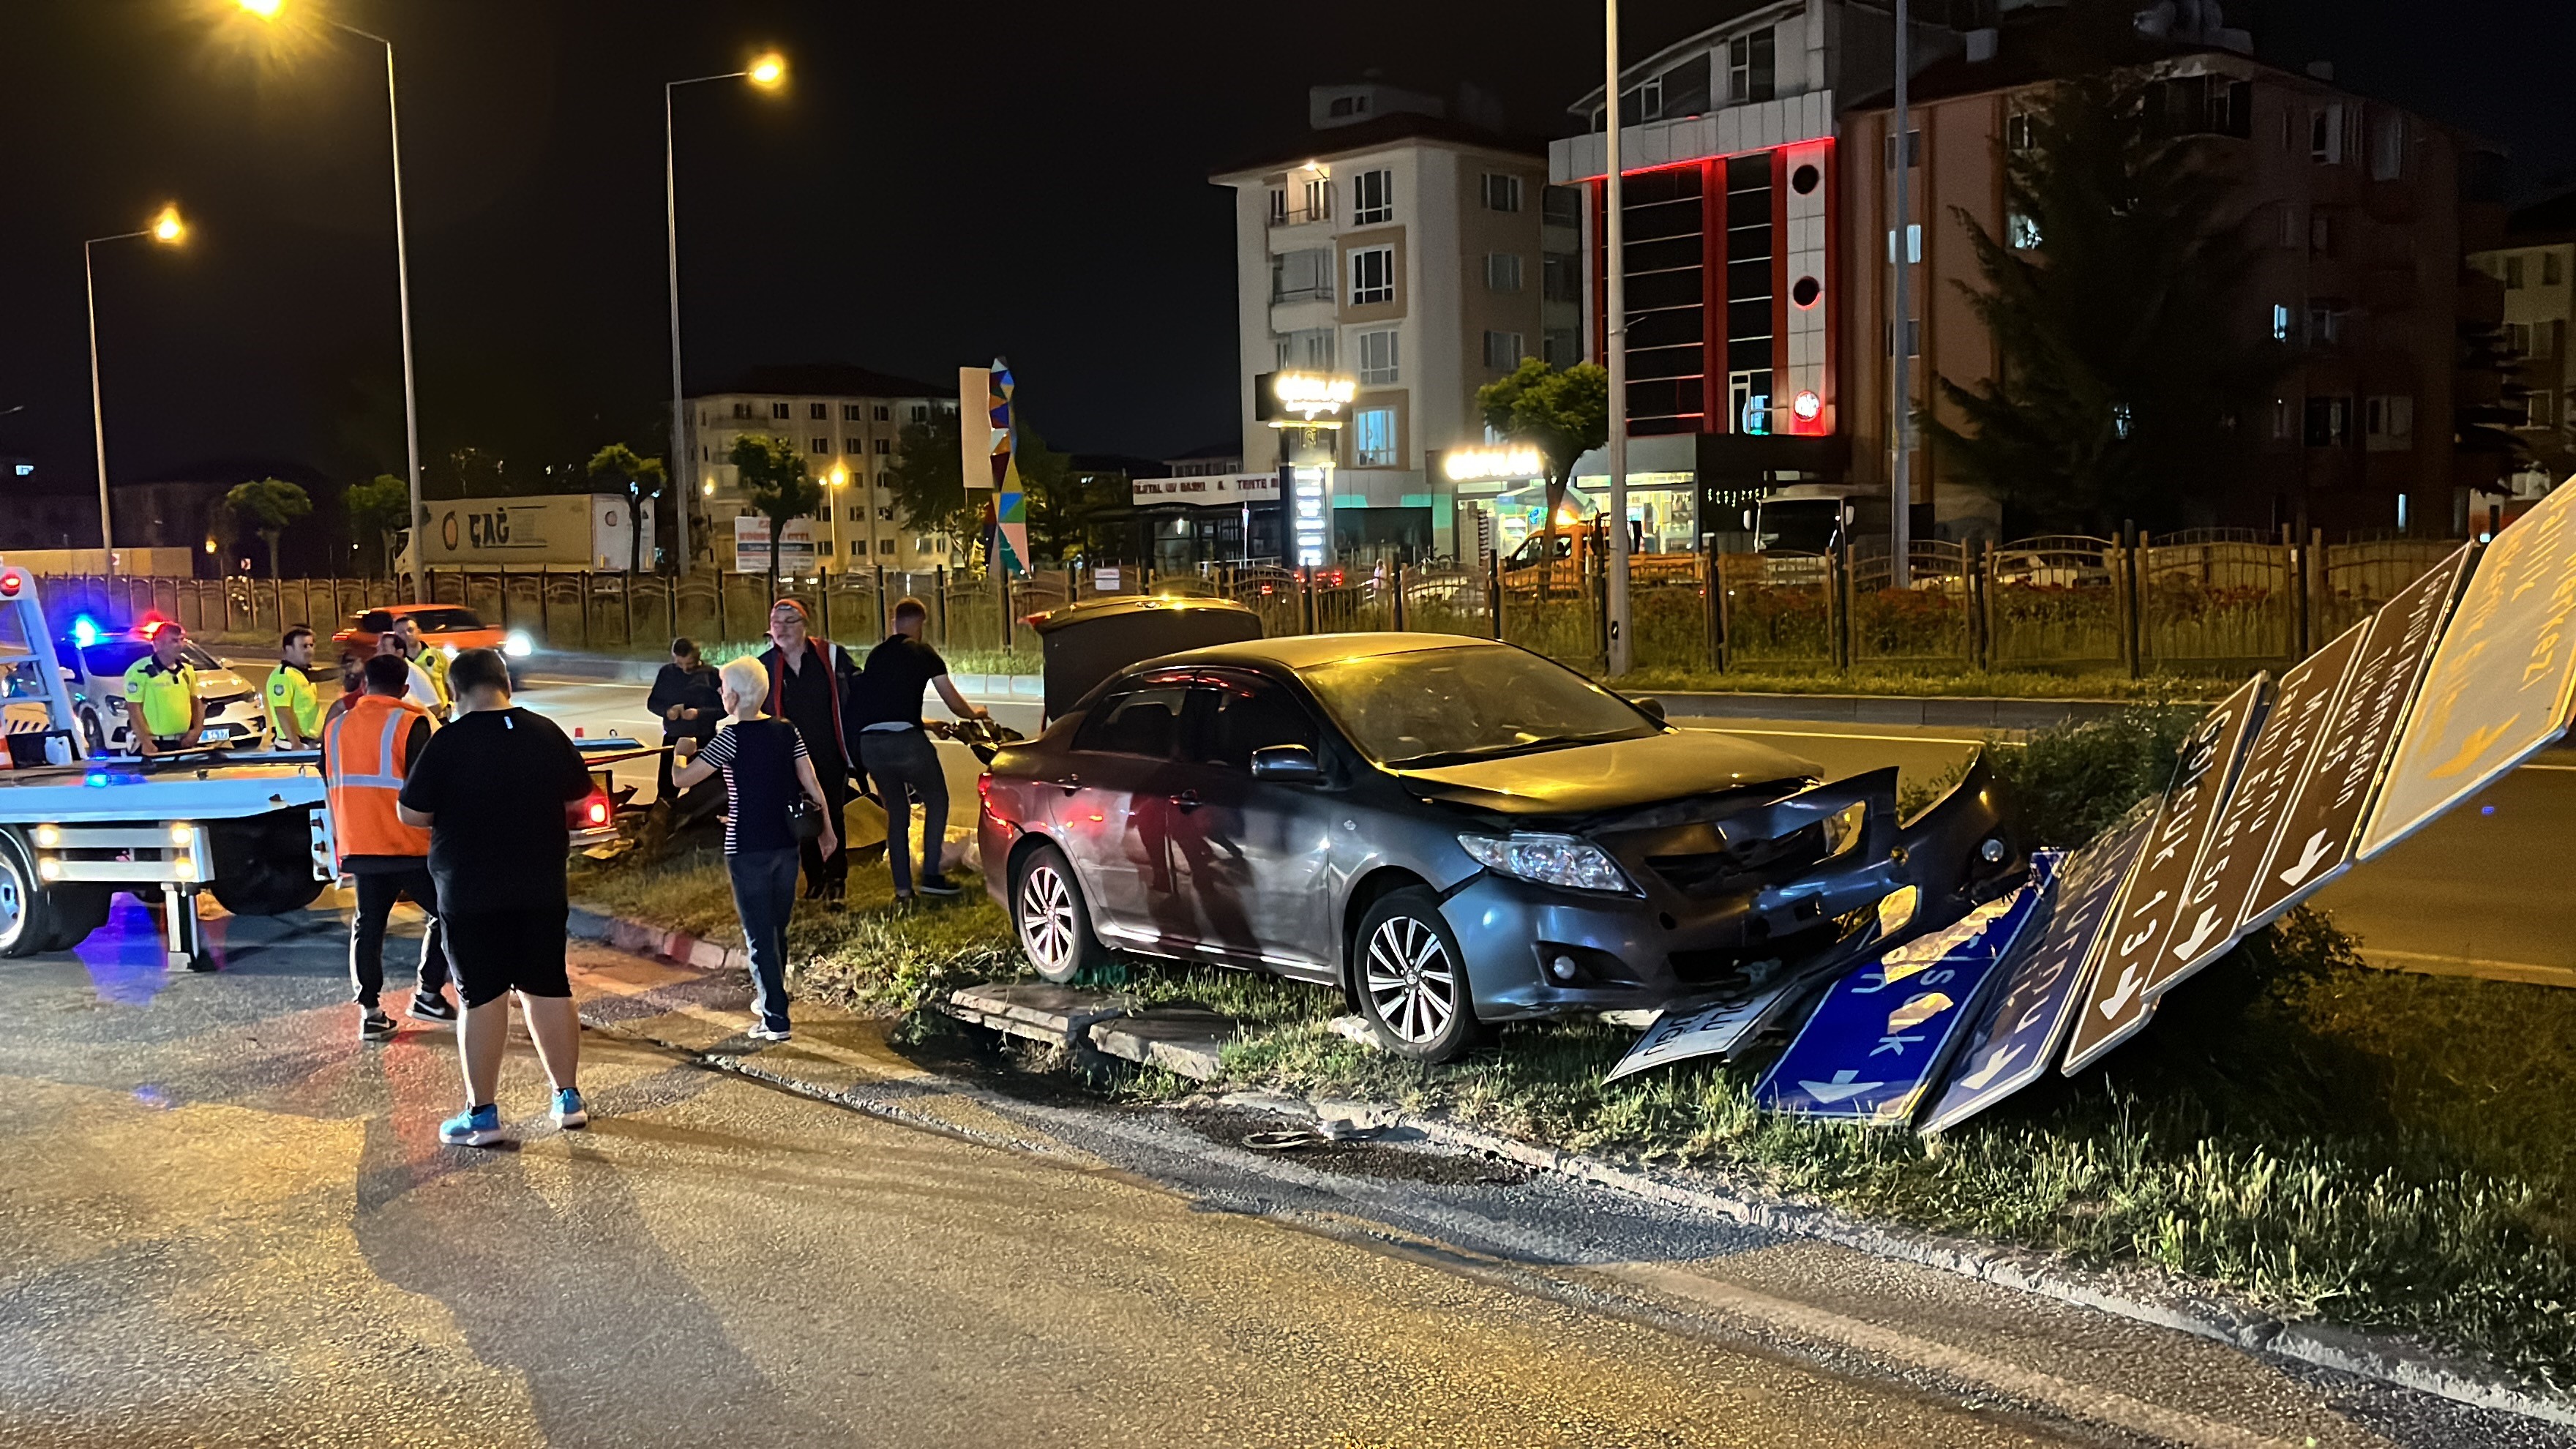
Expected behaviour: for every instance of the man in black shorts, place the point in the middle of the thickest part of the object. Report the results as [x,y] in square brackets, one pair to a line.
[491,789]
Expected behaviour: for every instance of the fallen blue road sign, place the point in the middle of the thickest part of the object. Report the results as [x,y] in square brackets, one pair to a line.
[1883,1031]
[2016,1039]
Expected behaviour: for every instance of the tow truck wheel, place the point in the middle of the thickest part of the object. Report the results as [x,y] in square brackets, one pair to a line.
[27,914]
[93,731]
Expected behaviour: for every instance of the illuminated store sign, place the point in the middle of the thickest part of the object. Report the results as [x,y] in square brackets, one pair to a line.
[1310,522]
[1304,399]
[1466,465]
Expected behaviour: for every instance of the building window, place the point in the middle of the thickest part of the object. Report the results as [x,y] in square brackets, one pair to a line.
[1563,346]
[1502,350]
[2550,275]
[2321,230]
[1372,198]
[1379,358]
[742,410]
[1913,337]
[1278,206]
[850,413]
[818,411]
[921,412]
[2017,131]
[822,445]
[1372,275]
[2280,321]
[2387,146]
[885,515]
[2517,338]
[1749,67]
[885,545]
[2513,274]
[1502,272]
[883,413]
[1913,150]
[2281,419]
[779,412]
[854,446]
[2329,422]
[2388,423]
[1561,205]
[1502,193]
[1302,276]
[2325,134]
[2021,232]
[1308,349]
[1373,442]
[885,446]
[2290,235]
[2327,324]
[1560,277]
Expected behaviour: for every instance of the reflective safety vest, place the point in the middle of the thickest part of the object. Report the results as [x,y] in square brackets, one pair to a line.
[159,698]
[362,764]
[433,662]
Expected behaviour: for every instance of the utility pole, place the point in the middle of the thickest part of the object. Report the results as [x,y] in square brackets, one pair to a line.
[1900,370]
[1615,328]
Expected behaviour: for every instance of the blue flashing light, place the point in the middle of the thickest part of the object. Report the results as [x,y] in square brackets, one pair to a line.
[85,630]
[97,779]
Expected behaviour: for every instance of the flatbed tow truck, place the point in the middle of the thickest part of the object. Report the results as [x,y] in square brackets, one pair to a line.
[252,828]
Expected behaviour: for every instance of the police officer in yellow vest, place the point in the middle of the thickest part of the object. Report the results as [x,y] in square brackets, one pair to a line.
[366,752]
[432,662]
[161,704]
[294,710]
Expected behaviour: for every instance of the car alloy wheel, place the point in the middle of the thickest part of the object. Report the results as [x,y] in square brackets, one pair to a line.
[1046,918]
[1412,981]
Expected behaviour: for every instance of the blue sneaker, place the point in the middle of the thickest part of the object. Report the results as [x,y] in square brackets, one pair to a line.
[480,1127]
[569,1112]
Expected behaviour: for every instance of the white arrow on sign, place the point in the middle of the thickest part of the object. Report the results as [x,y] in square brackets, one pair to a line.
[2309,855]
[2118,1001]
[1841,1089]
[2203,931]
[1985,1075]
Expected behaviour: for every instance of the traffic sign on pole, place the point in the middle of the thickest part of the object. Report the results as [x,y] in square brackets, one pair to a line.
[2325,811]
[2117,1006]
[2502,681]
[2278,759]
[1884,1031]
[2015,1040]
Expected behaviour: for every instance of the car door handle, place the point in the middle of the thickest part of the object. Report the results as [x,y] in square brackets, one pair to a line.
[1069,783]
[1187,799]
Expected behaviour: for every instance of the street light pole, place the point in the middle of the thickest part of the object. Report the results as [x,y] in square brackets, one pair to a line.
[1900,369]
[167,230]
[1615,328]
[766,73]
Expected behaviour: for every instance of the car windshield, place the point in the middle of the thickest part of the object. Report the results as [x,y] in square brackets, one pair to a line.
[446,621]
[110,658]
[1430,707]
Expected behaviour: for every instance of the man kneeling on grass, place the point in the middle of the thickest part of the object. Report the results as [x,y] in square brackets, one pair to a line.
[491,790]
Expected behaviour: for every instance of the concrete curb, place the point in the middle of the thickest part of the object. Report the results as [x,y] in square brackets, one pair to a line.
[2135,1296]
[1956,711]
[2140,1296]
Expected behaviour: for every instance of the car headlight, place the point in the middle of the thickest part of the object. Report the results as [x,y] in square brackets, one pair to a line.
[1557,860]
[518,645]
[1843,828]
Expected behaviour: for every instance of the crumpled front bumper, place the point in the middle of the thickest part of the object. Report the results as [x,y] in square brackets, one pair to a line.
[1534,950]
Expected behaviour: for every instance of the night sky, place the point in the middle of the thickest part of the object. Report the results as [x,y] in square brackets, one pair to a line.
[939,182]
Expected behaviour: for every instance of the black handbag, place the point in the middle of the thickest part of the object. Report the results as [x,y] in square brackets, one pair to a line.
[805,819]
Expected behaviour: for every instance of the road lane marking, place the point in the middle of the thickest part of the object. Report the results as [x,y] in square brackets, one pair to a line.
[2528,972]
[1828,735]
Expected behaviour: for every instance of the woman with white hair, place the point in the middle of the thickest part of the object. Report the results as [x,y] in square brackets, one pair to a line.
[765,769]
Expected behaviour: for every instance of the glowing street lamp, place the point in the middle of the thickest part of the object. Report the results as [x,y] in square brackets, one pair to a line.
[769,73]
[836,480]
[165,229]
[268,10]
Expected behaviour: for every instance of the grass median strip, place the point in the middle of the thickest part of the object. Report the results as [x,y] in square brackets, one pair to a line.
[2384,1151]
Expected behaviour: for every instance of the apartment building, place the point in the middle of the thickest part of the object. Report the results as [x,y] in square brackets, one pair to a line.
[2364,212]
[1731,178]
[2535,270]
[849,421]
[1410,244]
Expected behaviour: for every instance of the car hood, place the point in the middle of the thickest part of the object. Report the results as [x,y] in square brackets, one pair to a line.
[1620,775]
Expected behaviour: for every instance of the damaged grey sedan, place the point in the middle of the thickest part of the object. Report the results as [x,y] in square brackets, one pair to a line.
[1455,833]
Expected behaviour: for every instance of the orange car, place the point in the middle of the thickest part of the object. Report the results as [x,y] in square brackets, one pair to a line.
[444,627]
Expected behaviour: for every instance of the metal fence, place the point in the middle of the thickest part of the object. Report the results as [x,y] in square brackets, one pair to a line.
[2209,602]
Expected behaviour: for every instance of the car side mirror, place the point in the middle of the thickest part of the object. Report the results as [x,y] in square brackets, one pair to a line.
[1286,764]
[1653,707]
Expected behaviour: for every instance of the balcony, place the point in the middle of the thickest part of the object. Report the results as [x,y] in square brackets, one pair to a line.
[1282,217]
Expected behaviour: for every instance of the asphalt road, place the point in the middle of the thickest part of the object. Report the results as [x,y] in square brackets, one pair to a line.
[226,1222]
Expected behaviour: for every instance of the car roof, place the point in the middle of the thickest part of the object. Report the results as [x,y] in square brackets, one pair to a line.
[1304,651]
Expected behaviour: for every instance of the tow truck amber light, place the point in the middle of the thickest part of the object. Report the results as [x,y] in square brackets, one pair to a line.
[49,836]
[49,868]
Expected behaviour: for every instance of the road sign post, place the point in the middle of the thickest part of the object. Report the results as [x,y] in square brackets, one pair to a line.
[2117,1006]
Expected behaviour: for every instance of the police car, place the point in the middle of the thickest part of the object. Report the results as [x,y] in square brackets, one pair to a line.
[94,660]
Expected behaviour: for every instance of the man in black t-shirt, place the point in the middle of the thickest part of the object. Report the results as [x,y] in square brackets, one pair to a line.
[895,747]
[491,789]
[809,682]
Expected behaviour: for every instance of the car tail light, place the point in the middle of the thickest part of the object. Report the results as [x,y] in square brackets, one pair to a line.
[591,812]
